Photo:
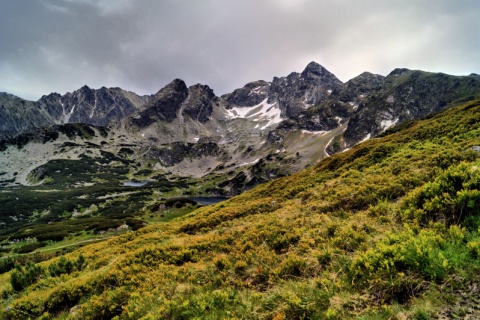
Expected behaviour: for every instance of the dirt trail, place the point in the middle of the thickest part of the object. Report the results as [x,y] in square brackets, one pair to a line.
[56,248]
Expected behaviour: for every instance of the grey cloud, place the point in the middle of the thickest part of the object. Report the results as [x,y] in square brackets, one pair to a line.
[142,45]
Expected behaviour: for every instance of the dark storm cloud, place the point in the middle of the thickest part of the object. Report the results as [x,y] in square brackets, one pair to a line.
[59,45]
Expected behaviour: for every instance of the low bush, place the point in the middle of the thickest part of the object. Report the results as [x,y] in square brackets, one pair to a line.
[452,197]
[22,277]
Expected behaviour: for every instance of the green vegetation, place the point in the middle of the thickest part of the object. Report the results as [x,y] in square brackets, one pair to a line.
[386,230]
[92,198]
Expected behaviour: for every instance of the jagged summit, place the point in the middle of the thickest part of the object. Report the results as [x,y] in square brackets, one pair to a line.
[364,83]
[198,104]
[314,69]
[250,95]
[176,85]
[164,105]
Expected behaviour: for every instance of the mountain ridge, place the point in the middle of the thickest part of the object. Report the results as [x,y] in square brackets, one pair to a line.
[304,117]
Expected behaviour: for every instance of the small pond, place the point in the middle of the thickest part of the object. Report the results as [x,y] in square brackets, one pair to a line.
[182,201]
[136,183]
[207,200]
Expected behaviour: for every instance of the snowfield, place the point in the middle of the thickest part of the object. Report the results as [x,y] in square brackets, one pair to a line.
[262,112]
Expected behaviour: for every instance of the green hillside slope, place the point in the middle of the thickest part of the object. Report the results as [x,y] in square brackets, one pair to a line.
[386,230]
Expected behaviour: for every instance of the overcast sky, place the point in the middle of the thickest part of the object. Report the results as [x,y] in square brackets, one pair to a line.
[141,45]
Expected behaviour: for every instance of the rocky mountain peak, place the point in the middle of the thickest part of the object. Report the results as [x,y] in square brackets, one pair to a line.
[250,95]
[198,104]
[85,94]
[164,106]
[7,95]
[51,95]
[367,76]
[314,68]
[361,85]
[398,72]
[177,85]
[201,88]
[299,91]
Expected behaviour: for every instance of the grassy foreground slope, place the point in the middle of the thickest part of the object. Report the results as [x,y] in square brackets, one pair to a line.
[386,230]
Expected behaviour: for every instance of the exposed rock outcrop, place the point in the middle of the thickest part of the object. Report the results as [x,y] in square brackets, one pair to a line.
[199,103]
[164,106]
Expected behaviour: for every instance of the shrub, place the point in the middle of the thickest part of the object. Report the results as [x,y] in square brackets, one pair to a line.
[60,267]
[80,263]
[292,266]
[21,277]
[451,198]
[221,263]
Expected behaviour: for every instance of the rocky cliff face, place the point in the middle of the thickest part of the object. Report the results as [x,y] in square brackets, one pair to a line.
[19,115]
[95,107]
[199,103]
[294,93]
[299,91]
[407,95]
[176,101]
[359,87]
[164,106]
[250,95]
[89,106]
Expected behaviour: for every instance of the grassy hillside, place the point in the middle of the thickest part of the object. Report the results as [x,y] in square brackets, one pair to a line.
[386,230]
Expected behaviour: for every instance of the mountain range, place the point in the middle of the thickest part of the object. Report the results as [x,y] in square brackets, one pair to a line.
[256,133]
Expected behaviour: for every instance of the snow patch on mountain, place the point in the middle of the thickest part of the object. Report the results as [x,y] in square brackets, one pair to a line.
[385,124]
[262,112]
[67,117]
[249,163]
[314,132]
[368,136]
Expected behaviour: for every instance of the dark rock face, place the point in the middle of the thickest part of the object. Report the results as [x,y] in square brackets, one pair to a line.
[364,84]
[164,106]
[297,92]
[324,117]
[100,107]
[294,93]
[174,153]
[89,106]
[252,94]
[19,115]
[198,104]
[52,105]
[408,95]
[95,107]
